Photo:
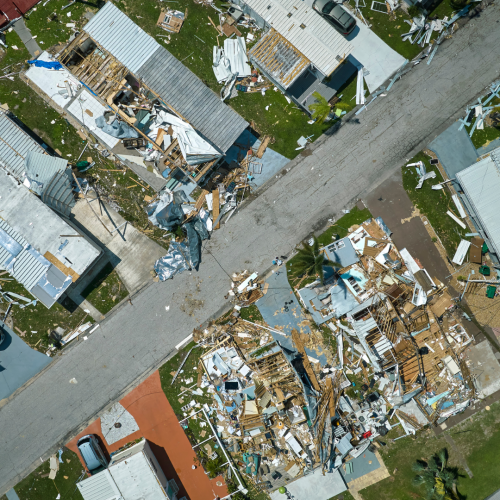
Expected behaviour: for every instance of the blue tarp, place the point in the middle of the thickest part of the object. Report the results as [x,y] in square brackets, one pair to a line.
[46,64]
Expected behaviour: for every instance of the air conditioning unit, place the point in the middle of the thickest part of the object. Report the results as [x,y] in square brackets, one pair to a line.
[235,12]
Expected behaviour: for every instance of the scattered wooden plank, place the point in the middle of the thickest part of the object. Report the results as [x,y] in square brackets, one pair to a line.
[20,331]
[137,182]
[263,146]
[159,136]
[215,207]
[64,269]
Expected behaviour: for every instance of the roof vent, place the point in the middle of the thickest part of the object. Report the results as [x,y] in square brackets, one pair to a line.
[289,14]
[302,25]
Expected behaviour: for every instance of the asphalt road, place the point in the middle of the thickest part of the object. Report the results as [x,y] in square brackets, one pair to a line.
[316,187]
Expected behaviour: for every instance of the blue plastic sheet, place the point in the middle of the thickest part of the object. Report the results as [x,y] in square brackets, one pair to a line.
[46,64]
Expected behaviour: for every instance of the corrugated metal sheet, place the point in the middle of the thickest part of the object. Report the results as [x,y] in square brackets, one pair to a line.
[99,487]
[40,168]
[28,270]
[58,194]
[481,184]
[363,327]
[192,99]
[306,30]
[168,77]
[15,144]
[120,36]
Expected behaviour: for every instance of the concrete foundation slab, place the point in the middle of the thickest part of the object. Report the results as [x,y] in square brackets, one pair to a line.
[484,367]
[362,465]
[280,309]
[117,423]
[324,487]
[380,61]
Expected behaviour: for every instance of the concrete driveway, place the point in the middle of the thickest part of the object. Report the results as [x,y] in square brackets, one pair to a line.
[390,201]
[18,362]
[371,52]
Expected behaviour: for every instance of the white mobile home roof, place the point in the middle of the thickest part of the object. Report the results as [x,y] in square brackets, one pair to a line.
[31,223]
[318,40]
[163,73]
[481,184]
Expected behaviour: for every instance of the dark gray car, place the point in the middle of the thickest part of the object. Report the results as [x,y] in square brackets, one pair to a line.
[92,455]
[338,17]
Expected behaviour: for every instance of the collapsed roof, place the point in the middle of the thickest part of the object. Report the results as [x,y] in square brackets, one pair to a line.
[179,88]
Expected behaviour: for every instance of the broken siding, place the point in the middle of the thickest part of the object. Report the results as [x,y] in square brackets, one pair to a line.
[317,40]
[15,144]
[165,75]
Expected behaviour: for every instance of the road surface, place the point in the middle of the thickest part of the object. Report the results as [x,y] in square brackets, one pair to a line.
[340,168]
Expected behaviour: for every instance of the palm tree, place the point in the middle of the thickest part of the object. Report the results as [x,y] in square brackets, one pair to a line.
[320,109]
[309,260]
[439,481]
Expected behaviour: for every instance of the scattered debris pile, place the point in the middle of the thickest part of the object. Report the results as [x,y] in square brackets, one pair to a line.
[171,210]
[482,112]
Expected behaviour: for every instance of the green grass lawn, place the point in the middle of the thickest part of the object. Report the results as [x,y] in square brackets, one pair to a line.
[434,203]
[340,228]
[477,439]
[390,27]
[106,290]
[343,496]
[55,32]
[251,313]
[37,486]
[38,321]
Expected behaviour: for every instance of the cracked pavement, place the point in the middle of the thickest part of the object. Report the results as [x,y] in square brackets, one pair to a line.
[338,169]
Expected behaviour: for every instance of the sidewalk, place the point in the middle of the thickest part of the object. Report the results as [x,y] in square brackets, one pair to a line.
[27,38]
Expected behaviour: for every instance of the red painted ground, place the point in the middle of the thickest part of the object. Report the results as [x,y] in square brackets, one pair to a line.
[158,424]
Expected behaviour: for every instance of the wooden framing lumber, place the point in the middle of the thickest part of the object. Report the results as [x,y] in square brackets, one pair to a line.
[215,206]
[305,360]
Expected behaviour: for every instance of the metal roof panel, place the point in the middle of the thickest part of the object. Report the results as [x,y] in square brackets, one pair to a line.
[317,40]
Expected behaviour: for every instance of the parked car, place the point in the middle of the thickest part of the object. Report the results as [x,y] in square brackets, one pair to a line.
[92,455]
[338,17]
